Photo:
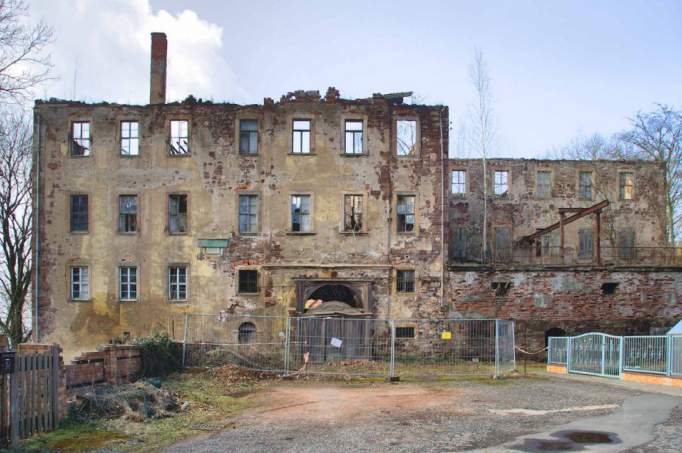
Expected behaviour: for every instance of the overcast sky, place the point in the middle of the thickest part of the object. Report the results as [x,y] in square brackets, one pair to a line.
[558,69]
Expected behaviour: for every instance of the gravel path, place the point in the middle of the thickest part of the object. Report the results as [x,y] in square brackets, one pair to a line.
[453,416]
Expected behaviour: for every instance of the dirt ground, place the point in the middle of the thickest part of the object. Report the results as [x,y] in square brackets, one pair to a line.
[447,416]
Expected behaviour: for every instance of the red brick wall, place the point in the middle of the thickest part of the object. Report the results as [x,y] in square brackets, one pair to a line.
[571,300]
[112,364]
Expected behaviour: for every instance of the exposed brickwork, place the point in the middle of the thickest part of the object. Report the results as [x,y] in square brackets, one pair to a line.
[111,364]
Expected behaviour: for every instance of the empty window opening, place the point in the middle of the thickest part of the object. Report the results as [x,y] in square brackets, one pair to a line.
[130,140]
[127,213]
[80,139]
[300,214]
[248,281]
[460,243]
[406,137]
[627,185]
[80,283]
[501,288]
[179,138]
[501,182]
[405,332]
[127,279]
[353,137]
[503,243]
[586,244]
[79,213]
[177,213]
[247,332]
[248,137]
[405,211]
[177,282]
[405,281]
[609,287]
[352,215]
[585,185]
[459,181]
[248,214]
[301,137]
[543,184]
[626,244]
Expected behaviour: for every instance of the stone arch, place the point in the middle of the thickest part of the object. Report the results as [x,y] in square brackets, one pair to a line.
[335,291]
[554,332]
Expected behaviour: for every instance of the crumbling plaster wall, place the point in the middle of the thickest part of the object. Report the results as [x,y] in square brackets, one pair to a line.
[524,212]
[213,177]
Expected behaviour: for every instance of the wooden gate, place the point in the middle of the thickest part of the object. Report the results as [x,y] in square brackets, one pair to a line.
[29,395]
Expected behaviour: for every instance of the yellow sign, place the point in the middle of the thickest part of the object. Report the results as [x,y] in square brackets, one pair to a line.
[446,335]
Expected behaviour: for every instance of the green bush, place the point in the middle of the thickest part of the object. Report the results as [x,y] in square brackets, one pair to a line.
[159,355]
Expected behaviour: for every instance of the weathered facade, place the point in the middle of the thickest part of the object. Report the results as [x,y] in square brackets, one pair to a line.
[146,212]
[606,268]
[246,188]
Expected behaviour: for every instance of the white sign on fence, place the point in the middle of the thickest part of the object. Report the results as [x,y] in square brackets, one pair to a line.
[336,342]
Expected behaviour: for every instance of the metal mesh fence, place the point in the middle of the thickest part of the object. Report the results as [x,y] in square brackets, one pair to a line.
[418,348]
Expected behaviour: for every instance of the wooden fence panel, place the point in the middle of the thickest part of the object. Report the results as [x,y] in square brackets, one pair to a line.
[29,396]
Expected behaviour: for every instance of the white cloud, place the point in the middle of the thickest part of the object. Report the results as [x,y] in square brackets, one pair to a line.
[106,45]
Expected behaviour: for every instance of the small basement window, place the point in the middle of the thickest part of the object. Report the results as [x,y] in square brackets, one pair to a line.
[609,287]
[405,332]
[501,288]
[247,330]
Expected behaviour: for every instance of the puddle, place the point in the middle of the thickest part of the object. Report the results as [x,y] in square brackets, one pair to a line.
[540,445]
[588,437]
[568,441]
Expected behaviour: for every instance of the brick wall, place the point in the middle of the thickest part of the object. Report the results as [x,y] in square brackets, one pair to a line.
[570,300]
[112,364]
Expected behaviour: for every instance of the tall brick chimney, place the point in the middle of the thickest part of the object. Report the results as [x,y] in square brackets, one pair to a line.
[157,78]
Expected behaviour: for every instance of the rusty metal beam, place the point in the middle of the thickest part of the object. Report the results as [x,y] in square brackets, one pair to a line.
[579,215]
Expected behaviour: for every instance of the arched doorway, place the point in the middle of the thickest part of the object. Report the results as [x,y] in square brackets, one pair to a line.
[337,292]
[554,332]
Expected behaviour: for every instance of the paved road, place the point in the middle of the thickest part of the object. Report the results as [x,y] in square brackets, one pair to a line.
[513,415]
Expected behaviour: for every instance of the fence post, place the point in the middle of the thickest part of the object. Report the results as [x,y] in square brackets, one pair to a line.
[513,332]
[569,346]
[603,354]
[497,348]
[287,345]
[669,355]
[14,402]
[391,370]
[55,386]
[621,354]
[184,339]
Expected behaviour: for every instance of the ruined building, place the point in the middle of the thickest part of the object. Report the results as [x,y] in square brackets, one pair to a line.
[145,212]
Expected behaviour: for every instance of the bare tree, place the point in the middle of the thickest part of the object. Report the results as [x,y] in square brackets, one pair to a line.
[16,223]
[23,63]
[482,127]
[595,146]
[657,136]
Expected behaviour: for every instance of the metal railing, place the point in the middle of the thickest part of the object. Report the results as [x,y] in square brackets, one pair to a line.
[557,349]
[406,348]
[608,355]
[646,354]
[553,256]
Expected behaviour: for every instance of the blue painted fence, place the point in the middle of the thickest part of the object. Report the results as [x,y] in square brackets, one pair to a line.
[600,354]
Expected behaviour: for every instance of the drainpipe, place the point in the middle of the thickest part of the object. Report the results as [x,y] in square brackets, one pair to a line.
[443,175]
[36,230]
[389,214]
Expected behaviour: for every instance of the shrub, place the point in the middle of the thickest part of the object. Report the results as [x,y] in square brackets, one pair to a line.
[159,355]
